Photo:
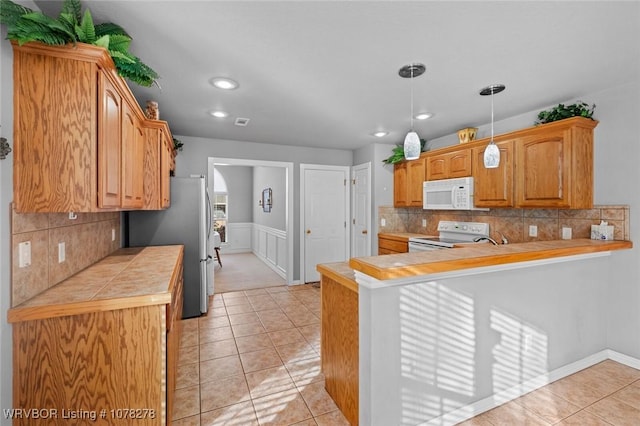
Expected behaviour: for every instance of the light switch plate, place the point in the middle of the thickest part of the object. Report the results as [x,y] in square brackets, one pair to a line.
[383,222]
[24,254]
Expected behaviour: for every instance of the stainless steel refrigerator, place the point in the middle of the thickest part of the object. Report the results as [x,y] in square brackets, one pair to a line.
[188,222]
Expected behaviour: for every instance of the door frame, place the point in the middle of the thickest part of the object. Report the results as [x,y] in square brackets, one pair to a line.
[289,217]
[347,172]
[367,167]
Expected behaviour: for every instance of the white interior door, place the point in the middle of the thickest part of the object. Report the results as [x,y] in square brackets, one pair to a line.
[325,227]
[361,210]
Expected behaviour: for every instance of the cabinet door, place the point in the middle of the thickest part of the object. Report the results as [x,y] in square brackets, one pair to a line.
[460,164]
[415,179]
[165,170]
[152,160]
[543,169]
[400,182]
[109,156]
[437,167]
[132,159]
[493,187]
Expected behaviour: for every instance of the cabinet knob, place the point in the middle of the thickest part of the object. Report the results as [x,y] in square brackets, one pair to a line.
[308,231]
[364,231]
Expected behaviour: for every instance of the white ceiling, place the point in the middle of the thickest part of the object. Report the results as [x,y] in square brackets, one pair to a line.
[325,73]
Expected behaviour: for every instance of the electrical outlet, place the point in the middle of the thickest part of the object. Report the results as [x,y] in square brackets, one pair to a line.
[533,231]
[24,254]
[61,252]
[113,234]
[424,223]
[383,222]
[566,233]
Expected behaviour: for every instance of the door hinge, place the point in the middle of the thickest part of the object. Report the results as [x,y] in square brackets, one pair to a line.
[345,223]
[353,181]
[345,182]
[354,220]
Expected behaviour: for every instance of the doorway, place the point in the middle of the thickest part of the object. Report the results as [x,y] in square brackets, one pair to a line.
[324,212]
[288,195]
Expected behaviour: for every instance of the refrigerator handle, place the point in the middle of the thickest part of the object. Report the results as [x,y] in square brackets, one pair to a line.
[209,218]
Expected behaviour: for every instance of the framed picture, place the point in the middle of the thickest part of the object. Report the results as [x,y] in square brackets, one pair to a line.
[266,200]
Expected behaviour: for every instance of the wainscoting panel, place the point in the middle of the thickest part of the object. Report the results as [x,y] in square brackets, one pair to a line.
[270,245]
[238,238]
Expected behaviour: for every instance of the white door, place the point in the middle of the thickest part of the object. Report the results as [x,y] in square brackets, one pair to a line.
[325,216]
[361,210]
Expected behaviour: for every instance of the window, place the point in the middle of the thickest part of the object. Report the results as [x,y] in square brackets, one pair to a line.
[220,215]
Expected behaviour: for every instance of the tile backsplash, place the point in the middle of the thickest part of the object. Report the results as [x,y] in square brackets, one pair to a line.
[513,223]
[87,239]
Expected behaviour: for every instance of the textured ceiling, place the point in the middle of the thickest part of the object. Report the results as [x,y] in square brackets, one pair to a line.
[325,73]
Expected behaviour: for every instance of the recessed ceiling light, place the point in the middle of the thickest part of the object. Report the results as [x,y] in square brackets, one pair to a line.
[219,114]
[380,134]
[423,115]
[224,83]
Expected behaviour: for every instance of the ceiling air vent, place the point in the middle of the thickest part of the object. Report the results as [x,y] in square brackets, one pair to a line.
[242,122]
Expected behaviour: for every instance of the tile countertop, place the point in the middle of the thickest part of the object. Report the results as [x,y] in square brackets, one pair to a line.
[403,265]
[129,277]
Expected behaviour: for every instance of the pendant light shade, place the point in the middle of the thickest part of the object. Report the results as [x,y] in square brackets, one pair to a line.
[492,152]
[412,146]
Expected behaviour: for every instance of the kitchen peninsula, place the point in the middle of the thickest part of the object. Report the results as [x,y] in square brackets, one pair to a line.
[437,337]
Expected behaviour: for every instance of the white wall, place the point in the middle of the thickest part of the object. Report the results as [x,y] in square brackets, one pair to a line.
[276,179]
[239,180]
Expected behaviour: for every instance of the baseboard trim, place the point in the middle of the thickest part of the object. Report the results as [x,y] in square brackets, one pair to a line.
[468,411]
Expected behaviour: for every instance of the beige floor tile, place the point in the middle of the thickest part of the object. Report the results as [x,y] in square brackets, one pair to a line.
[256,291]
[311,333]
[186,402]
[218,368]
[189,338]
[224,392]
[265,305]
[285,337]
[260,360]
[305,372]
[187,375]
[599,380]
[277,325]
[514,414]
[217,349]
[275,314]
[215,311]
[214,321]
[583,418]
[253,343]
[208,335]
[308,422]
[242,300]
[245,318]
[242,330]
[317,398]
[304,319]
[187,421]
[233,295]
[610,368]
[479,420]
[283,408]
[187,325]
[188,355]
[547,405]
[277,289]
[296,352]
[630,394]
[615,412]
[269,381]
[240,309]
[334,418]
[573,389]
[241,414]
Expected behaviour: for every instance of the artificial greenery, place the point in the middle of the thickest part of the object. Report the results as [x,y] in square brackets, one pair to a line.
[561,111]
[25,25]
[177,144]
[398,153]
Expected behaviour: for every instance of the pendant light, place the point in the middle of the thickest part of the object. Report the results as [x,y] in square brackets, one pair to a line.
[412,141]
[491,152]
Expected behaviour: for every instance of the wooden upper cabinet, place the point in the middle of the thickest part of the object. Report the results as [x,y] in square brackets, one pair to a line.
[408,177]
[78,134]
[493,187]
[132,159]
[554,166]
[449,165]
[157,160]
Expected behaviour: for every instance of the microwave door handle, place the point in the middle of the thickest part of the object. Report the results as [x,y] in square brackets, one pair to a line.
[453,197]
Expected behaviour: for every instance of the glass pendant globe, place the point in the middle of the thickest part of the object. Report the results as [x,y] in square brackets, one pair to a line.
[491,156]
[412,146]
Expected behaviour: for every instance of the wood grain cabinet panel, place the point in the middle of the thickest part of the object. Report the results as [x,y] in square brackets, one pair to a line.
[78,134]
[493,187]
[157,173]
[392,245]
[448,165]
[408,177]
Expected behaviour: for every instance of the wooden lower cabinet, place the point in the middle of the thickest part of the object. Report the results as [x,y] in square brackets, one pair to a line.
[391,244]
[340,345]
[106,362]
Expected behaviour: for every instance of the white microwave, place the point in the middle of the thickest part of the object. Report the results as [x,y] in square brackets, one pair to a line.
[448,194]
